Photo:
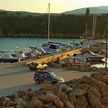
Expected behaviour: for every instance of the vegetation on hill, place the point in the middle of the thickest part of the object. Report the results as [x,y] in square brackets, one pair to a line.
[15,24]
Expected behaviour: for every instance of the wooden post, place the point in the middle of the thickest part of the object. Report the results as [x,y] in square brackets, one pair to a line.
[19,60]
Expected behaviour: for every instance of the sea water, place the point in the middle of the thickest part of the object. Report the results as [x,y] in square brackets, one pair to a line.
[12,43]
[22,43]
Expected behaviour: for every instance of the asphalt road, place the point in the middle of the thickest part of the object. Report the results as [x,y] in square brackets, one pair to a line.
[15,77]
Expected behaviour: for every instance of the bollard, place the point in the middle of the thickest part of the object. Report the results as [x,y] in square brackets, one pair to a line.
[19,60]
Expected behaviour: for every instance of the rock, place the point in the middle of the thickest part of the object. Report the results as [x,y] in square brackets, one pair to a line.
[1,106]
[26,98]
[105,79]
[72,99]
[9,107]
[29,92]
[7,99]
[46,97]
[58,103]
[12,96]
[48,105]
[65,88]
[11,104]
[20,93]
[64,98]
[84,86]
[68,104]
[101,76]
[2,100]
[81,102]
[104,101]
[19,106]
[26,95]
[52,106]
[103,88]
[73,83]
[93,100]
[35,103]
[97,84]
[78,92]
[21,102]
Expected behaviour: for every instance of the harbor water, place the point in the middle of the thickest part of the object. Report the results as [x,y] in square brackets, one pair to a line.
[12,43]
[22,43]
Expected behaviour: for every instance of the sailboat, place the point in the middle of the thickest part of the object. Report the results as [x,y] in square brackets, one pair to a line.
[87,41]
[51,46]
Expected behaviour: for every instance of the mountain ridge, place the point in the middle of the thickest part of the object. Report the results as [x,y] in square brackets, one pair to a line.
[93,10]
[79,11]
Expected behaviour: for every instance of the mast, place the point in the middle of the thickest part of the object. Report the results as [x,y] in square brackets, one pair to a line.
[86,33]
[106,47]
[106,52]
[106,43]
[94,26]
[49,22]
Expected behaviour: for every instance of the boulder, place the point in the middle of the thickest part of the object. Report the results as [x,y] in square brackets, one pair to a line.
[68,104]
[58,103]
[94,101]
[81,102]
[48,97]
[78,92]
[104,101]
[101,76]
[34,103]
[19,101]
[97,84]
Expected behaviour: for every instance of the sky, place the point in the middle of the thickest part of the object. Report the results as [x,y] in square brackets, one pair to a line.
[56,6]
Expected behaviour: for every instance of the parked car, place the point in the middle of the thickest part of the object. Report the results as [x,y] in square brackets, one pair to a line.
[40,77]
[37,66]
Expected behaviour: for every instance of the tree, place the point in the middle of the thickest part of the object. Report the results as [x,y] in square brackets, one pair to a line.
[87,12]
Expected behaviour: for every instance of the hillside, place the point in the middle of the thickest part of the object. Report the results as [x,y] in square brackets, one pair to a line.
[25,24]
[93,10]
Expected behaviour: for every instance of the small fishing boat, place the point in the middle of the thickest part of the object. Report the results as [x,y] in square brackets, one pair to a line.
[8,58]
[87,57]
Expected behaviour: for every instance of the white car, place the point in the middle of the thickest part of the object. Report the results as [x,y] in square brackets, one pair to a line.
[38,66]
[41,66]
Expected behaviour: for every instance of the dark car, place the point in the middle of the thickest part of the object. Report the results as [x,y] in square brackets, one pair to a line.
[40,77]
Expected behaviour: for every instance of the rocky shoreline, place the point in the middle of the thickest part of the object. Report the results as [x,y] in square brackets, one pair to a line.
[85,92]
